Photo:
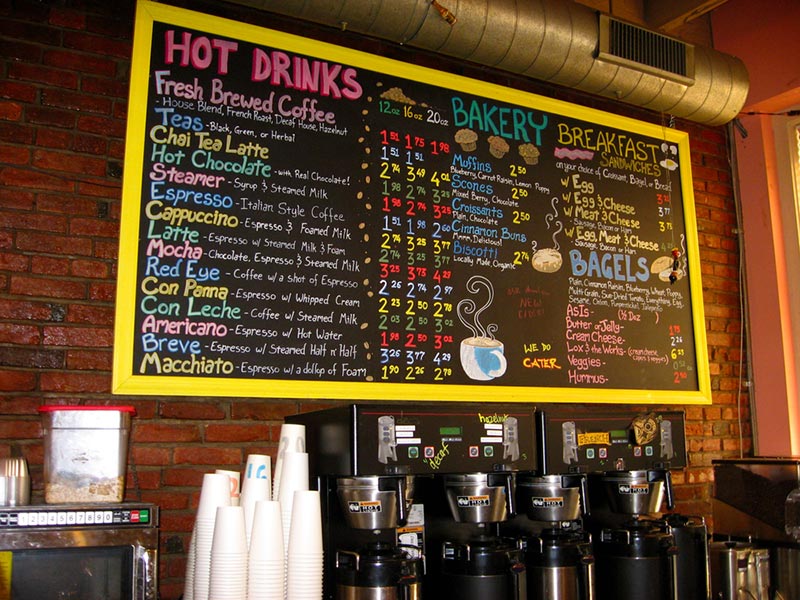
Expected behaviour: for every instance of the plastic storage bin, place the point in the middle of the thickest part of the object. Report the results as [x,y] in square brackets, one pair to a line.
[85,452]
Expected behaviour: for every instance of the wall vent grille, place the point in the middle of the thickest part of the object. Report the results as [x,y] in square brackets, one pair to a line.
[646,50]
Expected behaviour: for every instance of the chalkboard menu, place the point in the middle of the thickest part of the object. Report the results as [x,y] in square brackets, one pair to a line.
[305,220]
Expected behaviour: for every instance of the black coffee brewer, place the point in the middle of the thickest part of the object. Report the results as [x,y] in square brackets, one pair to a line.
[558,551]
[475,561]
[628,458]
[413,496]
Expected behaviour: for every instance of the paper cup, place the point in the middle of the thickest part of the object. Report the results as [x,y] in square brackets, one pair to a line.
[266,540]
[305,535]
[253,491]
[215,492]
[293,439]
[294,477]
[259,466]
[235,483]
[229,532]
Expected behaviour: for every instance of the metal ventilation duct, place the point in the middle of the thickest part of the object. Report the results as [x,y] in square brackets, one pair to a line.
[550,40]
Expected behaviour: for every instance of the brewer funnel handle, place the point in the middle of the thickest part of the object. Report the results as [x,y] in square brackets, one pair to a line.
[668,489]
[400,498]
[584,493]
[510,503]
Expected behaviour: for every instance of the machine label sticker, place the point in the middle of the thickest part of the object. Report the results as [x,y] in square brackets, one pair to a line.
[366,506]
[555,502]
[634,488]
[473,501]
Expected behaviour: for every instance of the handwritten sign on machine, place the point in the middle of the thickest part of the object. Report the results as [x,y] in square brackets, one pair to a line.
[304,220]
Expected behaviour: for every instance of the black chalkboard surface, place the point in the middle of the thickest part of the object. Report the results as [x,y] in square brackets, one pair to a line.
[304,220]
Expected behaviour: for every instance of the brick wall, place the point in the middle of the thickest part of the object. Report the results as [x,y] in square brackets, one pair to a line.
[63,96]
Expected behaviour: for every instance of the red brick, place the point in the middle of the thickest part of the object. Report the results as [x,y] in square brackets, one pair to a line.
[17,381]
[91,144]
[49,265]
[15,90]
[102,126]
[16,133]
[51,117]
[151,456]
[97,383]
[167,500]
[71,19]
[19,430]
[93,269]
[90,314]
[184,477]
[54,244]
[16,199]
[46,287]
[15,177]
[80,63]
[97,44]
[89,360]
[23,309]
[163,432]
[75,101]
[14,262]
[207,455]
[39,73]
[54,138]
[236,433]
[200,411]
[103,292]
[69,163]
[146,480]
[18,333]
[263,411]
[10,111]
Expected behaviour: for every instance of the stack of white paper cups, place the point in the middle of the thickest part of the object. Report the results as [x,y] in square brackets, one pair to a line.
[214,493]
[266,566]
[293,439]
[228,579]
[294,478]
[304,566]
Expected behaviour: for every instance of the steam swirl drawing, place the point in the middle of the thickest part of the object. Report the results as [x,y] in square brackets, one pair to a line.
[548,260]
[482,356]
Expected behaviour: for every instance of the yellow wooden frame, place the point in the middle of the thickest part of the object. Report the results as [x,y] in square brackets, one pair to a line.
[124,382]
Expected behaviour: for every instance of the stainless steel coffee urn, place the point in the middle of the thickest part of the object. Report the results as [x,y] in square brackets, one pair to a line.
[380,571]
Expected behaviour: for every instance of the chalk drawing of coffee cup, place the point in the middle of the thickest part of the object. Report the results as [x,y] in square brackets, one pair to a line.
[482,356]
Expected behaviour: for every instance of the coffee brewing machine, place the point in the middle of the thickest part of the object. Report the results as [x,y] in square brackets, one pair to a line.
[503,502]
[414,496]
[628,457]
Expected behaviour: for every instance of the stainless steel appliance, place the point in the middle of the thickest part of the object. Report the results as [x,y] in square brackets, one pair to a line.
[79,552]
[628,458]
[454,464]
[558,554]
[755,509]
